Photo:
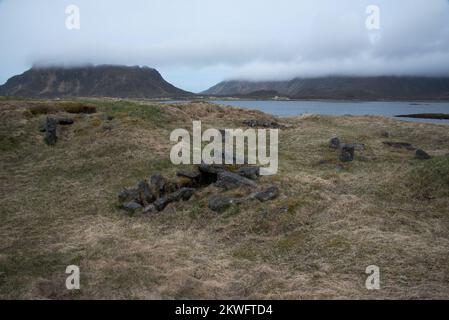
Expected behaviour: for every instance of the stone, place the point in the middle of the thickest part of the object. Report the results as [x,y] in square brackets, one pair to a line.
[145,196]
[181,182]
[157,184]
[161,203]
[127,195]
[422,155]
[211,168]
[189,174]
[229,180]
[50,131]
[267,194]
[249,172]
[131,206]
[149,209]
[334,143]
[182,194]
[220,203]
[399,145]
[347,153]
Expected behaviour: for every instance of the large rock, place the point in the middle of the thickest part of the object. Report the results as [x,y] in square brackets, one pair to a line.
[229,180]
[50,131]
[347,153]
[422,155]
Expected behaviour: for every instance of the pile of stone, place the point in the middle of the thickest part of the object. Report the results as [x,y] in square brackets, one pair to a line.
[347,150]
[262,124]
[155,193]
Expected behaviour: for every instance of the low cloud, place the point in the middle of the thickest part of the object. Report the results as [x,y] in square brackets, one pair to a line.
[216,40]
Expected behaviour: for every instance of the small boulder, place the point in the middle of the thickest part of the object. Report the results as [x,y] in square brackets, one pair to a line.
[267,194]
[157,184]
[131,206]
[422,155]
[145,195]
[334,143]
[161,203]
[249,172]
[189,174]
[229,180]
[347,153]
[127,195]
[50,131]
[149,209]
[219,203]
[211,168]
[182,194]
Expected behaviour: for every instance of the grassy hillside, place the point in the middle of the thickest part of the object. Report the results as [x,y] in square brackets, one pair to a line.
[58,207]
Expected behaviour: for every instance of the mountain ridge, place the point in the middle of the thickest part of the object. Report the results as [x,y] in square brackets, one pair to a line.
[340,87]
[115,81]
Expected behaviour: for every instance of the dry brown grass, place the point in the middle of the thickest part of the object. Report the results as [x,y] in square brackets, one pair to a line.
[58,207]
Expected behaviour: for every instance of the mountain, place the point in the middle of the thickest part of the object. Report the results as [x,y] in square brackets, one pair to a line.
[91,81]
[384,87]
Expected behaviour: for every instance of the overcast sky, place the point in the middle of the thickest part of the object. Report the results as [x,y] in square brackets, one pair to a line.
[197,43]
